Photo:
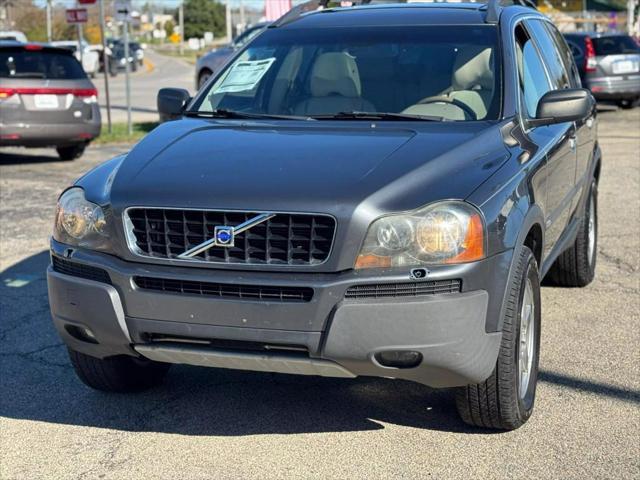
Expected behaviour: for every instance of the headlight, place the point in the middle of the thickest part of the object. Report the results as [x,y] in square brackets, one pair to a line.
[80,222]
[441,233]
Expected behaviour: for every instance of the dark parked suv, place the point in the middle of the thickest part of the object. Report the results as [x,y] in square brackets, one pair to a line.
[46,99]
[375,190]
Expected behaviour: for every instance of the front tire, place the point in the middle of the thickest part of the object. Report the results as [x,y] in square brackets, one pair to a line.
[71,152]
[120,373]
[505,400]
[576,267]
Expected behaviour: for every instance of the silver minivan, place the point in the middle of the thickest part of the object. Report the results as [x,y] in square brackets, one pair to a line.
[46,99]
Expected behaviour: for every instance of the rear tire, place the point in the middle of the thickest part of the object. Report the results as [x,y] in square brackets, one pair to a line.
[505,400]
[576,267]
[627,103]
[204,77]
[71,152]
[120,373]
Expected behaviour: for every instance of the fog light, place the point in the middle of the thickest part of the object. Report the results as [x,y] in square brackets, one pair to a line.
[399,358]
[81,333]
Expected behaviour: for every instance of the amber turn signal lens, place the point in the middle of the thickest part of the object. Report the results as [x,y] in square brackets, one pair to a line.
[372,261]
[473,244]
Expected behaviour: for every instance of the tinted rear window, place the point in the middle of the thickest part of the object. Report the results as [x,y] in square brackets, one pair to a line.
[615,45]
[20,63]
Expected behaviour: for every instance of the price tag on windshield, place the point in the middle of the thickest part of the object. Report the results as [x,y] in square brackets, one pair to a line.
[245,75]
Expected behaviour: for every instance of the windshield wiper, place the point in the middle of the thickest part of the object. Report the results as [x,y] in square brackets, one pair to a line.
[224,113]
[378,116]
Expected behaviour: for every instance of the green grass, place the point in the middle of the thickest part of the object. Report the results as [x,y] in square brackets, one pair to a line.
[119,132]
[190,56]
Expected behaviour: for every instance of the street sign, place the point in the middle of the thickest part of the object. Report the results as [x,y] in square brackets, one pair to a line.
[122,9]
[76,15]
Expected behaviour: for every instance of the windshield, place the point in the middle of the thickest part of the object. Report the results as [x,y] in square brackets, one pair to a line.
[431,71]
[615,45]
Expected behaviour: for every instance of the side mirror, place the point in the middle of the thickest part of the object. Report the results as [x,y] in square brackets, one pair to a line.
[171,103]
[559,106]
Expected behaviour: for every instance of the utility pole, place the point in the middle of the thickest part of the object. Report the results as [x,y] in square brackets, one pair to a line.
[181,22]
[126,73]
[242,17]
[631,8]
[105,62]
[49,34]
[228,20]
[79,28]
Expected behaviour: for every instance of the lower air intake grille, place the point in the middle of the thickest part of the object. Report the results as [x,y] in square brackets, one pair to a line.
[75,269]
[408,289]
[226,290]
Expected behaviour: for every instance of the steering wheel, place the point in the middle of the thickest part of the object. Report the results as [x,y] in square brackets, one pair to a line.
[451,101]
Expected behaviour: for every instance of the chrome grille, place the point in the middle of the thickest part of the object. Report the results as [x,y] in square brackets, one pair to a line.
[285,239]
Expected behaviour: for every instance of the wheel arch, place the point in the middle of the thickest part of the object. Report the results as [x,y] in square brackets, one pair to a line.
[530,235]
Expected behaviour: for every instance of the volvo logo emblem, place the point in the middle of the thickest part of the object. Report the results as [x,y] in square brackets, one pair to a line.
[225,236]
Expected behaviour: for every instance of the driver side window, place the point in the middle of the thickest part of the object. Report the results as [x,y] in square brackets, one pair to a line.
[532,76]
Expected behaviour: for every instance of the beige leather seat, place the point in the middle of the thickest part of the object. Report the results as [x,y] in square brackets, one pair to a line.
[335,87]
[472,85]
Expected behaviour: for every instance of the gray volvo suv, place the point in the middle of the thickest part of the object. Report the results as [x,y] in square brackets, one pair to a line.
[374,190]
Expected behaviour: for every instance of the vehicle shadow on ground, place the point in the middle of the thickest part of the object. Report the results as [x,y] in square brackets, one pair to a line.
[37,383]
[13,158]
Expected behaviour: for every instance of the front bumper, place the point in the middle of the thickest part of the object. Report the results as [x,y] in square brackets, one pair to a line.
[456,333]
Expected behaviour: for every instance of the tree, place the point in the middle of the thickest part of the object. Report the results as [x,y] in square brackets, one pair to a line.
[203,16]
[169,27]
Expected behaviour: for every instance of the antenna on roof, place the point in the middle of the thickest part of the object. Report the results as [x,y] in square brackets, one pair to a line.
[494,8]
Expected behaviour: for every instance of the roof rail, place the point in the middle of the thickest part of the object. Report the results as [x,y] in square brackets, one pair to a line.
[317,5]
[494,8]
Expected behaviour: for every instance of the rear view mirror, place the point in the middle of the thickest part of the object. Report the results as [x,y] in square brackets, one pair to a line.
[171,103]
[559,106]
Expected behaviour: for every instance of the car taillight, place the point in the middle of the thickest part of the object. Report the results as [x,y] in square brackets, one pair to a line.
[6,93]
[590,62]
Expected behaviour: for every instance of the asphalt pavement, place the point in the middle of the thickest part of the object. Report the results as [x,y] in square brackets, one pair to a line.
[159,71]
[208,423]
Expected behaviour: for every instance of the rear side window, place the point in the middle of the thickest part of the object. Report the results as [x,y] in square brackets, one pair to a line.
[566,52]
[531,72]
[50,65]
[615,45]
[552,58]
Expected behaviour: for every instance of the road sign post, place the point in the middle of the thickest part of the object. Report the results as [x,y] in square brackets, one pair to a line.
[106,64]
[123,14]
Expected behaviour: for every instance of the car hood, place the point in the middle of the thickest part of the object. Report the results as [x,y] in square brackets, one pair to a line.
[294,166]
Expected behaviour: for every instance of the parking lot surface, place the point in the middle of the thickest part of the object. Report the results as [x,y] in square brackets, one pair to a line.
[207,423]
